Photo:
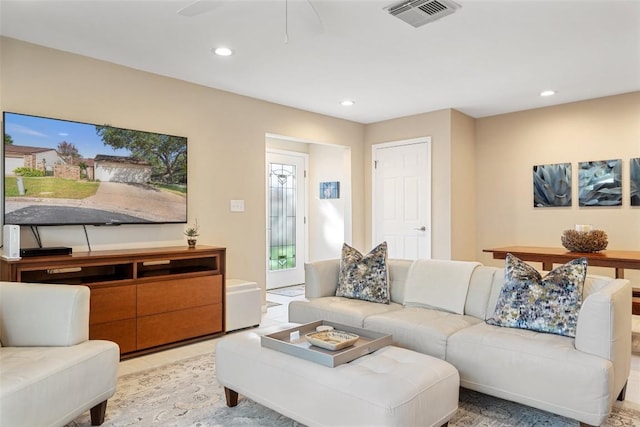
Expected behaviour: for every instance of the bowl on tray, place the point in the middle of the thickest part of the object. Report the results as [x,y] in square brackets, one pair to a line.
[332,340]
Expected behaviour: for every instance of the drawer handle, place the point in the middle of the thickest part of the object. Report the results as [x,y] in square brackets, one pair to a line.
[64,270]
[160,262]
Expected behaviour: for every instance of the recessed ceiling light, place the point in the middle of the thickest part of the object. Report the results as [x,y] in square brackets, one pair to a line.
[347,103]
[222,51]
[547,92]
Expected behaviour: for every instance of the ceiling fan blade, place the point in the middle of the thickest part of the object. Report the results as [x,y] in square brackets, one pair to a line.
[314,17]
[200,6]
[303,14]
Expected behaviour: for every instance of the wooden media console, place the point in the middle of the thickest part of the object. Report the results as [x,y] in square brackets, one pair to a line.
[143,299]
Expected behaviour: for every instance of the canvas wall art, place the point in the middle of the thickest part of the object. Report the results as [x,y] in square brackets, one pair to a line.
[600,183]
[634,187]
[552,185]
[330,190]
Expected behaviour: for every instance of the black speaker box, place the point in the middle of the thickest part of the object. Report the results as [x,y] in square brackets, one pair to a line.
[50,251]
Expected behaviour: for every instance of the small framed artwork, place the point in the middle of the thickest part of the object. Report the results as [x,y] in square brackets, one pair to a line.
[330,190]
[552,185]
[634,187]
[600,183]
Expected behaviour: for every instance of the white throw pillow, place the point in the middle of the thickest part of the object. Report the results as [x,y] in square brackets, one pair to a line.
[439,284]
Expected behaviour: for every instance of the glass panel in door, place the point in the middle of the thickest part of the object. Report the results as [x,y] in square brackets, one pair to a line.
[282,216]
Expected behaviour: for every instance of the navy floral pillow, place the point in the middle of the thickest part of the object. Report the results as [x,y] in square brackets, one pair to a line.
[364,277]
[550,304]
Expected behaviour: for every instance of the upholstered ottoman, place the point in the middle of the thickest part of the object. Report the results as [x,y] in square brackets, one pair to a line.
[390,387]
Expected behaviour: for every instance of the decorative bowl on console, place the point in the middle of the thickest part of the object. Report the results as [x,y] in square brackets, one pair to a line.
[584,241]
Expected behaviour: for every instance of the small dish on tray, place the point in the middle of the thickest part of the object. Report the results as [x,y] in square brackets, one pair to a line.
[332,340]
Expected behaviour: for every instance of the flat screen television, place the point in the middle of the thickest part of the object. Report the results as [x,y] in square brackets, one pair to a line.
[60,172]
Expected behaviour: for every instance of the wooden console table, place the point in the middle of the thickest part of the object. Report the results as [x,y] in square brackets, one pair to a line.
[548,256]
[619,260]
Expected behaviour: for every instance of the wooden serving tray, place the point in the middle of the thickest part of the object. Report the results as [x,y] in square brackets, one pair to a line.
[292,341]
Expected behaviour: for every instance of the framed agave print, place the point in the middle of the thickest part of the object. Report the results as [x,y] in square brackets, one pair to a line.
[634,187]
[600,183]
[552,185]
[330,190]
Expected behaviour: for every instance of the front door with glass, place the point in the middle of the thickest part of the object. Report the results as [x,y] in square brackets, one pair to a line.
[285,219]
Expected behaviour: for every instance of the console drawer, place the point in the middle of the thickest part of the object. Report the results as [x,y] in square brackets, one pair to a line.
[122,332]
[112,303]
[178,294]
[178,325]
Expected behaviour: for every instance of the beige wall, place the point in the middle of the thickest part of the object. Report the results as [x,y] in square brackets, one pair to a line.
[463,187]
[509,145]
[329,227]
[226,134]
[226,158]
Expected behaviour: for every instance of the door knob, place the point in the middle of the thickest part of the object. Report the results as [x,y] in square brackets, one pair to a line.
[423,228]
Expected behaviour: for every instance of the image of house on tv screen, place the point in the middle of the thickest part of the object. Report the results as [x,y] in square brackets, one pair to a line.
[58,172]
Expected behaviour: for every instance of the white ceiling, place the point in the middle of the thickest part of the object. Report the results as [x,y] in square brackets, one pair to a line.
[489,57]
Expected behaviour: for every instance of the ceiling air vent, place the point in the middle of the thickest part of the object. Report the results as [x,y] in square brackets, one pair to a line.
[420,12]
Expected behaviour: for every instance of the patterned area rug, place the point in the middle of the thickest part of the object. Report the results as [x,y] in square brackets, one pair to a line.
[272,304]
[289,291]
[186,393]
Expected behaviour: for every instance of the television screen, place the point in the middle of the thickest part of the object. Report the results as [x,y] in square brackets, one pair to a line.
[59,172]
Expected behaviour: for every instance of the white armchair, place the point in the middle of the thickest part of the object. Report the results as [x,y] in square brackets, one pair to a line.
[50,372]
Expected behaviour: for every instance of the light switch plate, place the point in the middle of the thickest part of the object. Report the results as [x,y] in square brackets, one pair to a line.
[237,206]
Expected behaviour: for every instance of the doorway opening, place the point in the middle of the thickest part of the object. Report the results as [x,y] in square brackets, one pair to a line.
[326,221]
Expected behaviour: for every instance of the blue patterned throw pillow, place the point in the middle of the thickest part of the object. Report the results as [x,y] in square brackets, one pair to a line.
[550,304]
[364,277]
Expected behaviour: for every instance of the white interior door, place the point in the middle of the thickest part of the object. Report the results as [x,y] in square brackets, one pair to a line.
[286,213]
[402,197]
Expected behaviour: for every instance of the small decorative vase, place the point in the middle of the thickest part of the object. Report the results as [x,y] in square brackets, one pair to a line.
[192,243]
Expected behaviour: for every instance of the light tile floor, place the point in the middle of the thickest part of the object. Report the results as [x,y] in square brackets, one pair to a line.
[278,315]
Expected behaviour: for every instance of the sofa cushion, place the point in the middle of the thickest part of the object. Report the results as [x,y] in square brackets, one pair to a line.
[364,277]
[439,284]
[347,311]
[550,304]
[20,328]
[398,271]
[536,369]
[321,278]
[50,386]
[420,329]
[593,283]
[482,282]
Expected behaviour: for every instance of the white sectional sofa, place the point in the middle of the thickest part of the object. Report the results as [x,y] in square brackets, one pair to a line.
[574,377]
[50,372]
